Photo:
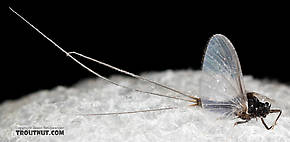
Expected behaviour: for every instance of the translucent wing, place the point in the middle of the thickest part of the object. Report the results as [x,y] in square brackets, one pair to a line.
[222,86]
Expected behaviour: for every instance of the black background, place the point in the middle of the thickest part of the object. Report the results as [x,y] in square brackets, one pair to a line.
[135,37]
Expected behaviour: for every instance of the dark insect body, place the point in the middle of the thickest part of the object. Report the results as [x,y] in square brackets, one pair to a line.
[257,109]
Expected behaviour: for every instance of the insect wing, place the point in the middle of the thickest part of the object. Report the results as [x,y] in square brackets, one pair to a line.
[222,85]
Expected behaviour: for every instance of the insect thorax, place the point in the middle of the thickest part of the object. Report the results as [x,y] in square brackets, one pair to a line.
[257,108]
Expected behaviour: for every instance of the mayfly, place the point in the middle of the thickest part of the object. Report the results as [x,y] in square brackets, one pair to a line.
[222,86]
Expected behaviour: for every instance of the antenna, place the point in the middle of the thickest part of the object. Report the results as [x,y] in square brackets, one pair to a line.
[69,54]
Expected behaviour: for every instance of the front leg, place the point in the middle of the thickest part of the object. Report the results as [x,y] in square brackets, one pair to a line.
[266,126]
[276,111]
[272,111]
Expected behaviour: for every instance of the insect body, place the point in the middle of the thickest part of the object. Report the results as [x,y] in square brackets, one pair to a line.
[257,109]
[221,89]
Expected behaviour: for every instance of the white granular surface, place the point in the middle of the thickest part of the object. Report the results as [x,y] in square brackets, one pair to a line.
[59,108]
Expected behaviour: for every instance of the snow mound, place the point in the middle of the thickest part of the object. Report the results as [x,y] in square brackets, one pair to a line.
[61,106]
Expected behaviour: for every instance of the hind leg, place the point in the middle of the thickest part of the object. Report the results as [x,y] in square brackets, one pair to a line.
[240,122]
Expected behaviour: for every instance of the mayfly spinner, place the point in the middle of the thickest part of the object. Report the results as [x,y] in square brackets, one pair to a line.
[222,87]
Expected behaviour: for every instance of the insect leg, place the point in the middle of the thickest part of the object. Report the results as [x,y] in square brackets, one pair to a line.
[266,124]
[240,122]
[275,111]
[272,111]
